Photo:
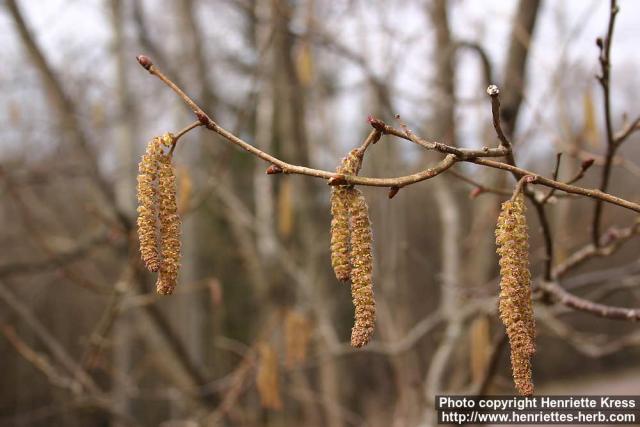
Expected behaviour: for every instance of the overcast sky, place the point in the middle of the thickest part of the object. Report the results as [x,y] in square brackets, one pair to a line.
[567,29]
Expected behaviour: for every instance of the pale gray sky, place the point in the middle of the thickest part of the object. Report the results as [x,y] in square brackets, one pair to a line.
[399,39]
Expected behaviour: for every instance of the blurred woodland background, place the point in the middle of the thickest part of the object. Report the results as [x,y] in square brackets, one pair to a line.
[257,332]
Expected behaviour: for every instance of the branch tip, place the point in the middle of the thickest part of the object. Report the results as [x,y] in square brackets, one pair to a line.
[145,61]
[377,124]
[587,163]
[493,90]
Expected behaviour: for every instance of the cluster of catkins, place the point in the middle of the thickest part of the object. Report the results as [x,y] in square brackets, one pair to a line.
[158,220]
[515,306]
[351,253]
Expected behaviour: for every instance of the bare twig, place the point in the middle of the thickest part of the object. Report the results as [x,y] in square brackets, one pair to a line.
[40,361]
[453,155]
[581,304]
[555,173]
[53,345]
[612,144]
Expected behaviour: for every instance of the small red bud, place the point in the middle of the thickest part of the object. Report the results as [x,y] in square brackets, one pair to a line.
[587,163]
[273,170]
[377,124]
[337,180]
[144,61]
[475,192]
[393,191]
[202,118]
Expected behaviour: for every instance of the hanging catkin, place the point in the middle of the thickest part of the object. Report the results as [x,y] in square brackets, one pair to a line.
[147,205]
[267,377]
[297,332]
[516,311]
[340,200]
[169,227]
[361,270]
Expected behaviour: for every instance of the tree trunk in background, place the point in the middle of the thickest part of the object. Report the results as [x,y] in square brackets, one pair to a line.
[511,92]
[303,237]
[123,332]
[192,309]
[442,128]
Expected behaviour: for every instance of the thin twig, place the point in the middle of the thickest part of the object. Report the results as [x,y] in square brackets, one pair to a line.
[601,310]
[555,173]
[612,145]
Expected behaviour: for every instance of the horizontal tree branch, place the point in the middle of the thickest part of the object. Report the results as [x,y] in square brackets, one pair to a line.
[454,154]
[581,304]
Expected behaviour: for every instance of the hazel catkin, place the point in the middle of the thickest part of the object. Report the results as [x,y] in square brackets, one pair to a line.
[515,305]
[147,194]
[361,270]
[297,333]
[267,377]
[340,199]
[169,227]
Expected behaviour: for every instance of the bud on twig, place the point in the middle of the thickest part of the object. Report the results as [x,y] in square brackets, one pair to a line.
[273,170]
[475,192]
[337,180]
[145,62]
[393,191]
[377,124]
[587,163]
[202,118]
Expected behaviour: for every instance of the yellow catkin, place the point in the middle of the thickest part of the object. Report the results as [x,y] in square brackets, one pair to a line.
[169,227]
[361,270]
[297,331]
[147,205]
[340,199]
[267,378]
[516,310]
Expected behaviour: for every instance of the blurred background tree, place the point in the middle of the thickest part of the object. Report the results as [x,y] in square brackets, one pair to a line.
[257,331]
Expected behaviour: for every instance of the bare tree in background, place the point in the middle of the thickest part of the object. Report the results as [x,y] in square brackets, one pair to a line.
[257,332]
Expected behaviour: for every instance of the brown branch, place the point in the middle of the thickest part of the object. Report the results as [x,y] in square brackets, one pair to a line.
[584,166]
[52,344]
[402,181]
[555,173]
[612,144]
[454,155]
[57,260]
[588,344]
[612,240]
[601,310]
[493,92]
[481,188]
[593,193]
[39,361]
[623,134]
